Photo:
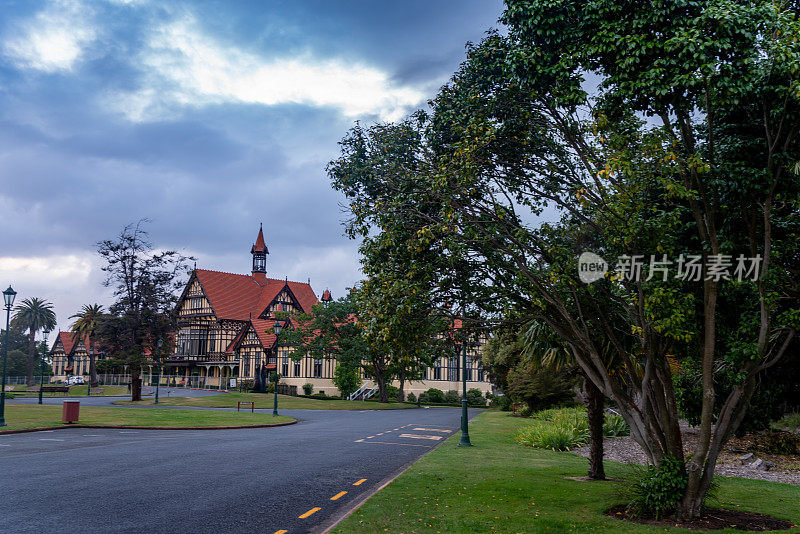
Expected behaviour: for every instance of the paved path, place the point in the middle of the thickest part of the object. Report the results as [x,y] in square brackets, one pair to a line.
[254,480]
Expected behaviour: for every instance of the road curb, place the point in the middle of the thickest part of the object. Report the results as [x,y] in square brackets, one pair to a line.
[331,523]
[134,427]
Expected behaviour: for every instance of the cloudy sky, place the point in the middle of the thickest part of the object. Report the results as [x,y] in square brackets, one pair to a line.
[207,117]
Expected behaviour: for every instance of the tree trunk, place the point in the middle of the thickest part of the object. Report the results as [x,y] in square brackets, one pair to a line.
[93,380]
[136,386]
[383,395]
[31,357]
[400,393]
[595,404]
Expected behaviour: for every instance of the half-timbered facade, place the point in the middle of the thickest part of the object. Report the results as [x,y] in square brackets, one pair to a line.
[71,356]
[226,320]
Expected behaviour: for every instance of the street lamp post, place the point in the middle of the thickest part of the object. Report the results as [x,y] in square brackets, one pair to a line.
[158,365]
[277,327]
[46,333]
[464,412]
[8,299]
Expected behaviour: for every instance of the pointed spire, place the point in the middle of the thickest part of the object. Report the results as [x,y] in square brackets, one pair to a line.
[326,296]
[260,245]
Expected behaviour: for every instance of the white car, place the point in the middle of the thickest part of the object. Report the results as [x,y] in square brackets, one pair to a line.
[75,380]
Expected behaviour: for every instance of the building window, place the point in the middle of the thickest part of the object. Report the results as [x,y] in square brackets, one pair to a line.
[296,368]
[468,370]
[437,369]
[452,369]
[285,367]
[480,372]
[247,365]
[317,368]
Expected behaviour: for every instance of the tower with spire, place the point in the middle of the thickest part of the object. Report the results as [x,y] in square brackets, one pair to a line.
[259,252]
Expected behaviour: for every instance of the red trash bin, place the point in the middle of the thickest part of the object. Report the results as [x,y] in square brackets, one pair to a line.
[70,411]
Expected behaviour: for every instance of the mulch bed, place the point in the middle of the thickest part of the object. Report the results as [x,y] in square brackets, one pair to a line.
[714,519]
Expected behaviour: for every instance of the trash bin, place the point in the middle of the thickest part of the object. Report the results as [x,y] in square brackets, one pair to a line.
[70,411]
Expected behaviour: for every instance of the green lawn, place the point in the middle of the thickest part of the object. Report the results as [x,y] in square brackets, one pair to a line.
[20,416]
[500,486]
[75,391]
[229,400]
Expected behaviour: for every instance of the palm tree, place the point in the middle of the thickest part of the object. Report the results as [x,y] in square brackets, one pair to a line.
[541,344]
[83,328]
[33,314]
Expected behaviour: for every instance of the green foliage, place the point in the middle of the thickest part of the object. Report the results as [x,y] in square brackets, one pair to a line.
[790,420]
[777,442]
[566,428]
[392,391]
[656,490]
[346,376]
[411,398]
[8,395]
[475,398]
[17,363]
[308,388]
[432,395]
[539,387]
[502,401]
[615,426]
[451,397]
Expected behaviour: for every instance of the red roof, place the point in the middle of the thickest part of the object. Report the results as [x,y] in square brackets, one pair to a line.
[68,341]
[242,297]
[260,245]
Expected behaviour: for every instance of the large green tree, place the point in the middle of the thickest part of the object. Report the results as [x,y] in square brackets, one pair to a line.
[84,328]
[646,129]
[33,314]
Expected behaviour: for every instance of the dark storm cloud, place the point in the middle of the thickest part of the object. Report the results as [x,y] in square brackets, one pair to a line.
[110,112]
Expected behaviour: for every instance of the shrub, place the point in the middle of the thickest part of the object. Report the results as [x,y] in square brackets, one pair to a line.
[773,442]
[8,395]
[614,426]
[411,398]
[433,395]
[525,411]
[392,392]
[502,402]
[554,436]
[451,397]
[475,398]
[308,389]
[790,420]
[656,490]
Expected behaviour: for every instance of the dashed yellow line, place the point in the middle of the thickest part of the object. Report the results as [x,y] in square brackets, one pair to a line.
[338,495]
[281,531]
[359,482]
[310,512]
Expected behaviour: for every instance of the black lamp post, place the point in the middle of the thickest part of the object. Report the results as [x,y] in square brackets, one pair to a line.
[91,357]
[158,366]
[277,327]
[465,442]
[46,333]
[8,299]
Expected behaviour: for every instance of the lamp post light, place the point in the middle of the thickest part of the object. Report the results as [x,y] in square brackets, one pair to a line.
[158,366]
[277,327]
[45,332]
[8,299]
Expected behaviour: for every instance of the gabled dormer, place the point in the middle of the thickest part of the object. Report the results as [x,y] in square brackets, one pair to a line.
[284,301]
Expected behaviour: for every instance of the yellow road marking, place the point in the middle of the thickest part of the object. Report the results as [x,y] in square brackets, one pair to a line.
[310,512]
[370,437]
[393,443]
[432,429]
[420,436]
[340,494]
[358,483]
[359,440]
[281,531]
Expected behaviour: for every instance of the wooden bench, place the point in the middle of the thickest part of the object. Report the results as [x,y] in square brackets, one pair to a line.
[55,389]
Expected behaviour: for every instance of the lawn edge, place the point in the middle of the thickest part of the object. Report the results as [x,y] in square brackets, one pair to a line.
[80,425]
[326,526]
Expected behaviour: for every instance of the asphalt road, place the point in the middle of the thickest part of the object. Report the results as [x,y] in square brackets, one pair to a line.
[250,480]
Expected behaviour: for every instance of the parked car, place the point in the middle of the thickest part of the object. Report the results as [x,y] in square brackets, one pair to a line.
[75,381]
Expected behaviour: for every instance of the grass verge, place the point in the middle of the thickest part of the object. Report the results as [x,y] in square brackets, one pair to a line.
[229,400]
[20,416]
[78,391]
[500,486]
